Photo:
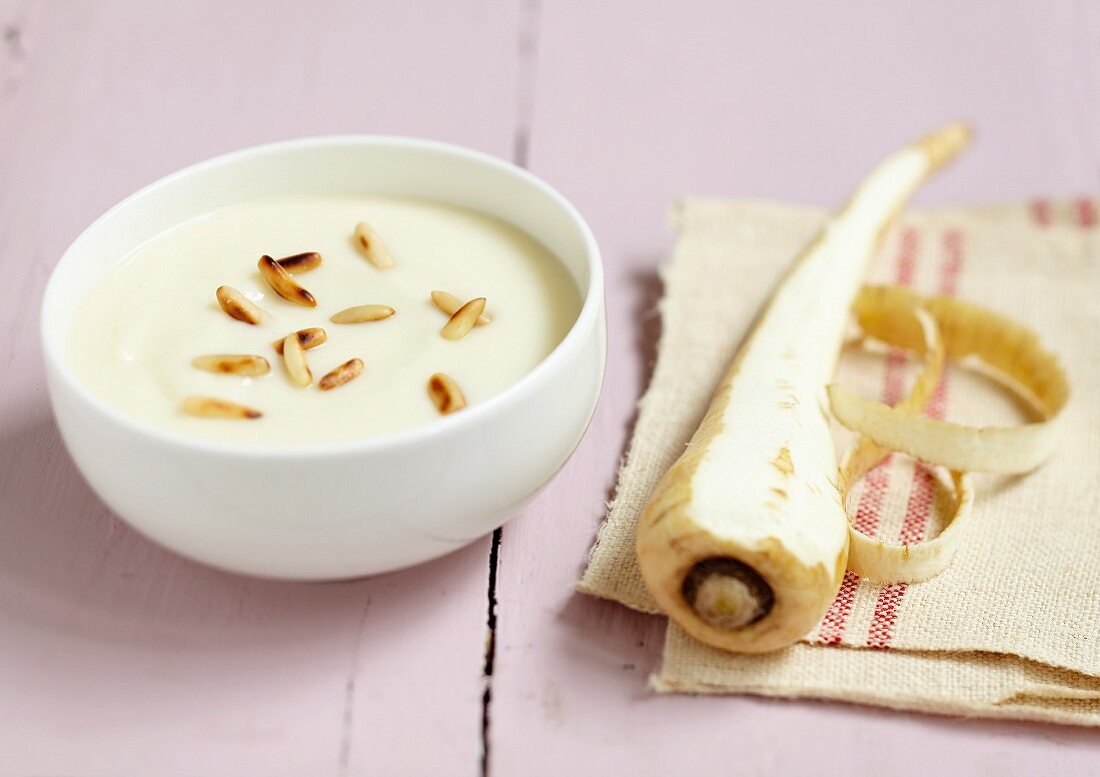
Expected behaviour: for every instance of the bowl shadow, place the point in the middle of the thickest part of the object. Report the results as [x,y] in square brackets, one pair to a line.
[67,564]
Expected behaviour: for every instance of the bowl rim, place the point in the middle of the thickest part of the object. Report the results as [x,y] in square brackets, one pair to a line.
[587,319]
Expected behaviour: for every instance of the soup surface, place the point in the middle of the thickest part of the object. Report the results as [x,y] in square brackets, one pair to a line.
[134,339]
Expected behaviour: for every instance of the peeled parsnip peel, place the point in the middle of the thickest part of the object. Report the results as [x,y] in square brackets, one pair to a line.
[1012,350]
[876,559]
[744,541]
[884,562]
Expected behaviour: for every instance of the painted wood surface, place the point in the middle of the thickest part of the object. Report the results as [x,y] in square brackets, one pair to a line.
[118,658]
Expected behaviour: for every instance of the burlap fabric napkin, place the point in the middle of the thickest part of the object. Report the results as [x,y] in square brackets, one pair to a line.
[1012,628]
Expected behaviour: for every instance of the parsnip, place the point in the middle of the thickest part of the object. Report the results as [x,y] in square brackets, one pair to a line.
[744,541]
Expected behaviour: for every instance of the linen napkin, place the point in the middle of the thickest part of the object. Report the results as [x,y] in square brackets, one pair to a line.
[1012,628]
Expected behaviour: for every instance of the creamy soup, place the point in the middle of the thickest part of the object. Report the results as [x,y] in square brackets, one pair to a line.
[136,339]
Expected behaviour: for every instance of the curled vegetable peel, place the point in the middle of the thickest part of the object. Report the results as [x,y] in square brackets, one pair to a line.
[1012,350]
[939,327]
[876,559]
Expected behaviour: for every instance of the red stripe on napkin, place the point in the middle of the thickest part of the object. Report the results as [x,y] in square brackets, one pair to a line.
[1042,213]
[922,492]
[1086,213]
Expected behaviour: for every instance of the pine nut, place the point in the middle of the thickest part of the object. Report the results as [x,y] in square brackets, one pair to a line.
[309,338]
[349,370]
[463,320]
[283,283]
[232,364]
[446,394]
[371,246]
[304,262]
[238,306]
[297,368]
[209,407]
[361,314]
[449,303]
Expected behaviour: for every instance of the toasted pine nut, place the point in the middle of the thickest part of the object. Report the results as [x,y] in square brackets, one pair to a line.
[209,407]
[309,338]
[449,303]
[349,370]
[283,283]
[361,314]
[238,306]
[304,262]
[463,319]
[371,246]
[232,364]
[297,368]
[446,394]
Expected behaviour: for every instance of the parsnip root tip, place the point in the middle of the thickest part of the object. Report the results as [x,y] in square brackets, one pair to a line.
[943,144]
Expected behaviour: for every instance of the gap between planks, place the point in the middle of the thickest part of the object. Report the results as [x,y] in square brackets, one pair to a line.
[527,51]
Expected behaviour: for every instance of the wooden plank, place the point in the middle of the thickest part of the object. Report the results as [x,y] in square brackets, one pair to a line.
[117,657]
[637,104]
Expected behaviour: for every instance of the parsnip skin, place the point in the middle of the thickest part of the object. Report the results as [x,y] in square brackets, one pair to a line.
[969,331]
[744,541]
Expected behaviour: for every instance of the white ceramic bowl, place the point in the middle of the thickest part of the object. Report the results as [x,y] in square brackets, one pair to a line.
[370,505]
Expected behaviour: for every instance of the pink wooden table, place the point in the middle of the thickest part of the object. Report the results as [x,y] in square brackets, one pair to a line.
[117,658]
